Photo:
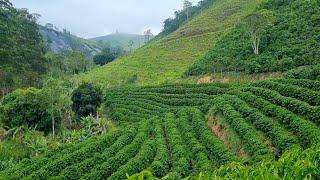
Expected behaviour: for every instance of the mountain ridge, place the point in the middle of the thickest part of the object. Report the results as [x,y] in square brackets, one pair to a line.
[58,41]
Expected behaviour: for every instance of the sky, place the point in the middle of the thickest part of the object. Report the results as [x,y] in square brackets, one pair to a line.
[93,18]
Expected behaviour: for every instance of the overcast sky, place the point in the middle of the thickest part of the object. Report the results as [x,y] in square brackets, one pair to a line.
[92,18]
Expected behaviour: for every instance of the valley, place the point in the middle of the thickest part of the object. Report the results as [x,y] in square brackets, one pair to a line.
[203,99]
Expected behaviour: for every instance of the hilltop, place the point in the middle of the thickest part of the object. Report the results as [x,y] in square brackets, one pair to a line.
[168,58]
[122,40]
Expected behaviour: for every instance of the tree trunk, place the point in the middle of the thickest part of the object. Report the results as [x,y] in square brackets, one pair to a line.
[53,129]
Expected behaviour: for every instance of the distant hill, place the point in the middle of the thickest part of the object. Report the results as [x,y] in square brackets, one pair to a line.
[167,58]
[122,40]
[59,41]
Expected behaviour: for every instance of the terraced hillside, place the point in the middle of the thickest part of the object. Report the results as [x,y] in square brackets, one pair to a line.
[182,130]
[168,58]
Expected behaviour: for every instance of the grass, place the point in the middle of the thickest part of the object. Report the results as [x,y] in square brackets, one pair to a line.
[167,59]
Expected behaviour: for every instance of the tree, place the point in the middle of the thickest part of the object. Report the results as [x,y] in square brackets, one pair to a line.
[86,99]
[24,107]
[5,4]
[256,24]
[147,35]
[186,7]
[22,48]
[104,58]
[130,45]
[108,54]
[56,100]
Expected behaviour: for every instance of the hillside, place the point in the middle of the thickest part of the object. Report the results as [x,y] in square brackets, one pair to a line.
[168,58]
[268,129]
[121,40]
[289,39]
[60,41]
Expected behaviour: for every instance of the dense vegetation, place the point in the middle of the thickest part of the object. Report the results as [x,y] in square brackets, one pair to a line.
[21,49]
[108,54]
[291,40]
[167,130]
[25,59]
[183,16]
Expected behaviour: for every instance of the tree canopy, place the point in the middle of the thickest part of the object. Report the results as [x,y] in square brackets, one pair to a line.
[86,99]
[21,48]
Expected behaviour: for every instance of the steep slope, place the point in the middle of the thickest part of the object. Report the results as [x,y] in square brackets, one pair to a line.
[291,39]
[121,40]
[59,41]
[168,58]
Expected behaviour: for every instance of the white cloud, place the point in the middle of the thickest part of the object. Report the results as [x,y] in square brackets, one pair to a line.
[91,18]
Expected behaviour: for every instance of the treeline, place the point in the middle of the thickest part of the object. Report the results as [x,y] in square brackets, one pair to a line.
[25,59]
[182,16]
[278,36]
[22,48]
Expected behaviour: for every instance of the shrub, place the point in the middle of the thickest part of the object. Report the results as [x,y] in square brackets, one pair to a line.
[86,99]
[23,107]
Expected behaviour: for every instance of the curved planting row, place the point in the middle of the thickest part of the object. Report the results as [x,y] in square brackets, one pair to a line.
[298,107]
[217,150]
[255,145]
[77,170]
[180,156]
[142,160]
[166,131]
[281,138]
[310,72]
[43,167]
[304,83]
[307,131]
[28,165]
[110,166]
[54,167]
[161,164]
[303,94]
[199,154]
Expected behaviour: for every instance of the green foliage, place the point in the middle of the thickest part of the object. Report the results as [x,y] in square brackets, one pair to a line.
[181,17]
[309,72]
[255,145]
[163,129]
[13,150]
[86,99]
[23,107]
[21,49]
[66,63]
[292,41]
[108,55]
[293,164]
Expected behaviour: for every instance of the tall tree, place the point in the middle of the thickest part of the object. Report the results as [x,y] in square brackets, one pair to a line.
[130,45]
[256,24]
[56,98]
[148,34]
[186,7]
[86,99]
[22,48]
